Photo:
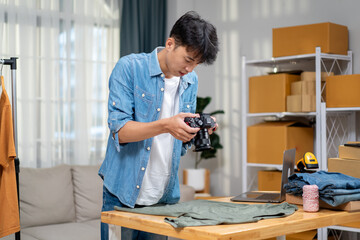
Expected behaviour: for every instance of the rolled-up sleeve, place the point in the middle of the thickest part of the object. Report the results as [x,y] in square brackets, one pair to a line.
[121,99]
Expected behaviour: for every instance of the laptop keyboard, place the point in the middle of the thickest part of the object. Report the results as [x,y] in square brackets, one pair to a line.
[268,196]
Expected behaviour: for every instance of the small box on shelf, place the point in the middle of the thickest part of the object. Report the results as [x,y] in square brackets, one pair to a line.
[301,103]
[303,88]
[311,76]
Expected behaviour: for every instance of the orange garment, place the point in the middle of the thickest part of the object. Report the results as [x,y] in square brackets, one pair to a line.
[9,210]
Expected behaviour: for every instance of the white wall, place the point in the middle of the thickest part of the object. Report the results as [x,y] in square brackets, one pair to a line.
[245,29]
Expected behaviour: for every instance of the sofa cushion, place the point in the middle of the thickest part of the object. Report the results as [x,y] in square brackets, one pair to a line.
[87,192]
[46,196]
[68,231]
[24,236]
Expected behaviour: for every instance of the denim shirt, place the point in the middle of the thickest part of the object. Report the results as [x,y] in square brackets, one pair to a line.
[136,93]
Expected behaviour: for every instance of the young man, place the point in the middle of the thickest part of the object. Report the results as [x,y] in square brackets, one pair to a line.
[150,95]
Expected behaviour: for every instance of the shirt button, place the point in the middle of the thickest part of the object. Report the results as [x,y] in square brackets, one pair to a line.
[113,103]
[162,89]
[158,109]
[188,106]
[162,75]
[137,186]
[142,169]
[148,148]
[143,95]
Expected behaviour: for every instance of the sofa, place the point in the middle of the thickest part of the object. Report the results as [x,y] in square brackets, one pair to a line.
[64,202]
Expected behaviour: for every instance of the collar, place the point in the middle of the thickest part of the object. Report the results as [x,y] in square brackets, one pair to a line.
[154,67]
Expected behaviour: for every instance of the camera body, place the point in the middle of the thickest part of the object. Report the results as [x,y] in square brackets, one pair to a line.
[202,138]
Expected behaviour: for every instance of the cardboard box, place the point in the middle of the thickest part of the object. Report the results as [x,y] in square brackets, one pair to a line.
[301,103]
[308,103]
[306,235]
[349,152]
[294,103]
[352,225]
[332,38]
[343,91]
[268,93]
[266,142]
[346,166]
[311,76]
[303,88]
[269,180]
[307,88]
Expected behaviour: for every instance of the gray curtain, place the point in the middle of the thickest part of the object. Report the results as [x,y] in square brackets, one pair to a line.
[143,25]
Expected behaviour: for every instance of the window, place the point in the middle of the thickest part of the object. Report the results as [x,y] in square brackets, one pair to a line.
[67,50]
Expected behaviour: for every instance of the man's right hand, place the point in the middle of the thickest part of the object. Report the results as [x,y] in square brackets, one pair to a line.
[179,129]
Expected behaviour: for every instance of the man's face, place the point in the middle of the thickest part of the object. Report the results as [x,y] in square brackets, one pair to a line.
[179,61]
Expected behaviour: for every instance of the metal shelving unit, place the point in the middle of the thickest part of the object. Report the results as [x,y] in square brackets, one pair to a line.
[333,126]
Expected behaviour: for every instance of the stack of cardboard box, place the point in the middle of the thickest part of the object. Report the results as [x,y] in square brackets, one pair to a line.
[348,163]
[303,92]
[303,39]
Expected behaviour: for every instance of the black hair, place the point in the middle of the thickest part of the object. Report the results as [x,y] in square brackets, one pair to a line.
[197,35]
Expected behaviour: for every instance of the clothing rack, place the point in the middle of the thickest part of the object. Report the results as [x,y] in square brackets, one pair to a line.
[12,63]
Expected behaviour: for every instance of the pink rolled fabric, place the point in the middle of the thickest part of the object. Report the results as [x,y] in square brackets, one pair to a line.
[310,198]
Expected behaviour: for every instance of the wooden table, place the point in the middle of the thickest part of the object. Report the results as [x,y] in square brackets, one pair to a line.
[297,222]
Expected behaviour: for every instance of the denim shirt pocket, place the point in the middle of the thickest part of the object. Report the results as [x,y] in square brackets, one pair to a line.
[188,107]
[143,102]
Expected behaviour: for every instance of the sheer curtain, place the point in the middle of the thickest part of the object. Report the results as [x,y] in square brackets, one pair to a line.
[66,50]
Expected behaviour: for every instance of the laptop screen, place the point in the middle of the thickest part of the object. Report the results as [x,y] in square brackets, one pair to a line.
[287,170]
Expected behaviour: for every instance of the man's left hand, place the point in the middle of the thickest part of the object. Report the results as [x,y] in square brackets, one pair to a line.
[211,130]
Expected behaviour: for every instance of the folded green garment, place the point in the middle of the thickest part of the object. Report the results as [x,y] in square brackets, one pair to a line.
[203,212]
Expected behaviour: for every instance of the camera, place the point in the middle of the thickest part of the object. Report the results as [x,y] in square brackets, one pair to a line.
[202,138]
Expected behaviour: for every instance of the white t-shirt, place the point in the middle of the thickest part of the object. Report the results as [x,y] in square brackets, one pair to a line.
[158,170]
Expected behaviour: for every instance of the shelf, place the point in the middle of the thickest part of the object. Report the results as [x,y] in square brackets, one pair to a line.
[282,114]
[293,60]
[332,125]
[305,62]
[349,229]
[301,114]
[349,109]
[277,166]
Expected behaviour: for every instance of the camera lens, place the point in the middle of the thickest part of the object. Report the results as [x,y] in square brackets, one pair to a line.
[202,140]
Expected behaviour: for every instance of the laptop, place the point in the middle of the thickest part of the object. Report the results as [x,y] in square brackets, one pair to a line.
[272,197]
